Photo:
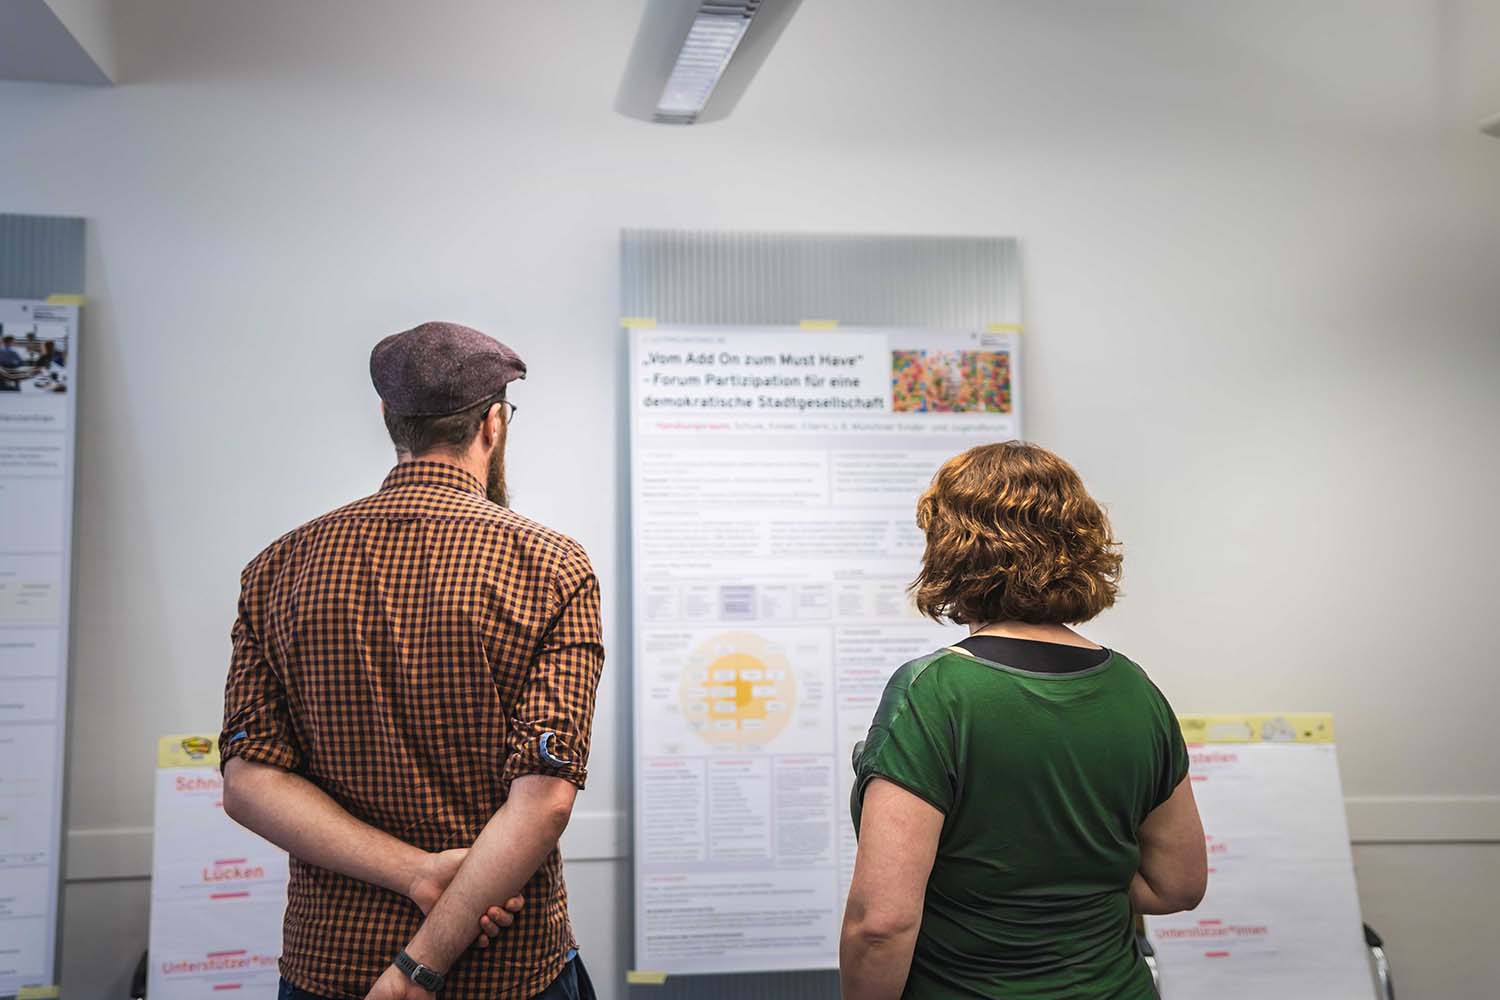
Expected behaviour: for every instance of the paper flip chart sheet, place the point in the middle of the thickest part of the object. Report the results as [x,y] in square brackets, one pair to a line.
[1281,917]
[218,891]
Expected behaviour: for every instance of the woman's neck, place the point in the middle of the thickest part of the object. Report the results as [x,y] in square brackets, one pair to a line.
[1059,634]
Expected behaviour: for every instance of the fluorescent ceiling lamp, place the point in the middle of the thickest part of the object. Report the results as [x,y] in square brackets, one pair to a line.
[705,54]
[694,58]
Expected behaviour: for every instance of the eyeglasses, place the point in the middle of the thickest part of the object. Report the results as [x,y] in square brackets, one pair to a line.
[510,412]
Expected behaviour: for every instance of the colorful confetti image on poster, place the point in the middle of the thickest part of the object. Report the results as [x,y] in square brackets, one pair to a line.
[950,381]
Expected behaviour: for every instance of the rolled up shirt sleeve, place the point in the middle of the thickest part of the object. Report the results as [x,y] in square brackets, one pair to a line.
[554,714]
[257,725]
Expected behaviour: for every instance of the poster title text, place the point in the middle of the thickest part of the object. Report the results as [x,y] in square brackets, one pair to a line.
[781,380]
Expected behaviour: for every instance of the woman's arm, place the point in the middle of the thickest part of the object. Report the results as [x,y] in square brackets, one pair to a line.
[1174,862]
[897,844]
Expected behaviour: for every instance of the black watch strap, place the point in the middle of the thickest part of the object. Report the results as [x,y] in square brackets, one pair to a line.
[429,979]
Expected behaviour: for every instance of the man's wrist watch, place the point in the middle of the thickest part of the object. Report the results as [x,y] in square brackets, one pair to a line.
[429,979]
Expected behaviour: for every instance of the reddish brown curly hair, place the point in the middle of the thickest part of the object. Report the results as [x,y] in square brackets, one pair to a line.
[1012,535]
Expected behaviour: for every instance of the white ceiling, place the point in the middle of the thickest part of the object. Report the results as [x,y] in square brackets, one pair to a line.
[849,66]
[36,45]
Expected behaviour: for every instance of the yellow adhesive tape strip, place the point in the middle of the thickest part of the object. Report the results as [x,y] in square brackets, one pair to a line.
[188,750]
[820,324]
[1003,328]
[39,993]
[638,322]
[65,300]
[643,977]
[1258,727]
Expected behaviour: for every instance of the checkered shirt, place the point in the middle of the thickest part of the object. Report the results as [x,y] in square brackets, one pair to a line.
[407,654]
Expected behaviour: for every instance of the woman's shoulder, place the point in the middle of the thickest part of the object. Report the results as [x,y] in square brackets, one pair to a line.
[938,676]
[1134,665]
[907,675]
[1142,680]
[919,678]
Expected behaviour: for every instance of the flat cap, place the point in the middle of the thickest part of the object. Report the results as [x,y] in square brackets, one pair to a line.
[436,369]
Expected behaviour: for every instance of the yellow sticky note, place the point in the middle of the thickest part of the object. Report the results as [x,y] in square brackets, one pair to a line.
[638,322]
[1003,328]
[820,324]
[39,993]
[188,750]
[1258,727]
[64,300]
[644,977]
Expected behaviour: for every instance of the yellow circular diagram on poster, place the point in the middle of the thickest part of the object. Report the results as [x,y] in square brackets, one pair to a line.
[737,689]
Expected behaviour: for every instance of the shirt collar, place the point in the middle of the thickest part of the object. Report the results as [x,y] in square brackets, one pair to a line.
[432,474]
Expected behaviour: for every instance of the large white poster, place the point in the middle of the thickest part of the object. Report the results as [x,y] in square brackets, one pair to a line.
[1281,917]
[38,361]
[774,479]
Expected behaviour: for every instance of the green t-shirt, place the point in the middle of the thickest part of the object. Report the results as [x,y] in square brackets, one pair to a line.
[1044,780]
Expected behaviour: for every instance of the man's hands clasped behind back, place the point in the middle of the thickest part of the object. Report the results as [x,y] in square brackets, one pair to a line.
[432,878]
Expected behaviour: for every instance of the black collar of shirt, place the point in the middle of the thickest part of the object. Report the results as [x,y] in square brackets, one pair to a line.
[432,474]
[1035,656]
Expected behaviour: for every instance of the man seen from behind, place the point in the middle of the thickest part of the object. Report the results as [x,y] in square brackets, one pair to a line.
[409,704]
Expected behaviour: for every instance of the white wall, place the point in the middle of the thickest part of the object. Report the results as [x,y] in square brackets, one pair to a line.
[1262,253]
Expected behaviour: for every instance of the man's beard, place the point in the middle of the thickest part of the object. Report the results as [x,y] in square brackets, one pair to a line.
[494,486]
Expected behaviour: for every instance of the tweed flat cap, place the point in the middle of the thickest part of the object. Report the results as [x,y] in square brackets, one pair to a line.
[436,369]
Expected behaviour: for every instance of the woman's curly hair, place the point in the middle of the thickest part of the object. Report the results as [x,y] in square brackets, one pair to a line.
[1012,535]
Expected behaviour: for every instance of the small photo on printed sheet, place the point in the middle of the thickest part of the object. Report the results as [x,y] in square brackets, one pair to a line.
[950,382]
[32,360]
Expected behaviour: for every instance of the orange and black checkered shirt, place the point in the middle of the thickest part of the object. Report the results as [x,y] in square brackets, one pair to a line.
[410,654]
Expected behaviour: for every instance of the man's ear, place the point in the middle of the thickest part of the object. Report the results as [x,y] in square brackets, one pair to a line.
[494,425]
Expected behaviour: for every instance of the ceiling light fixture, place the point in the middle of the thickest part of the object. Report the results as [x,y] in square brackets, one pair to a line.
[694,58]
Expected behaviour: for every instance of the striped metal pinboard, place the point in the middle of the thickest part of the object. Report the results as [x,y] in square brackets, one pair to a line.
[40,255]
[783,279]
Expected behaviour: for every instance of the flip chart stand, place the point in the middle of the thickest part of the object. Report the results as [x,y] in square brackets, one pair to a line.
[1281,911]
